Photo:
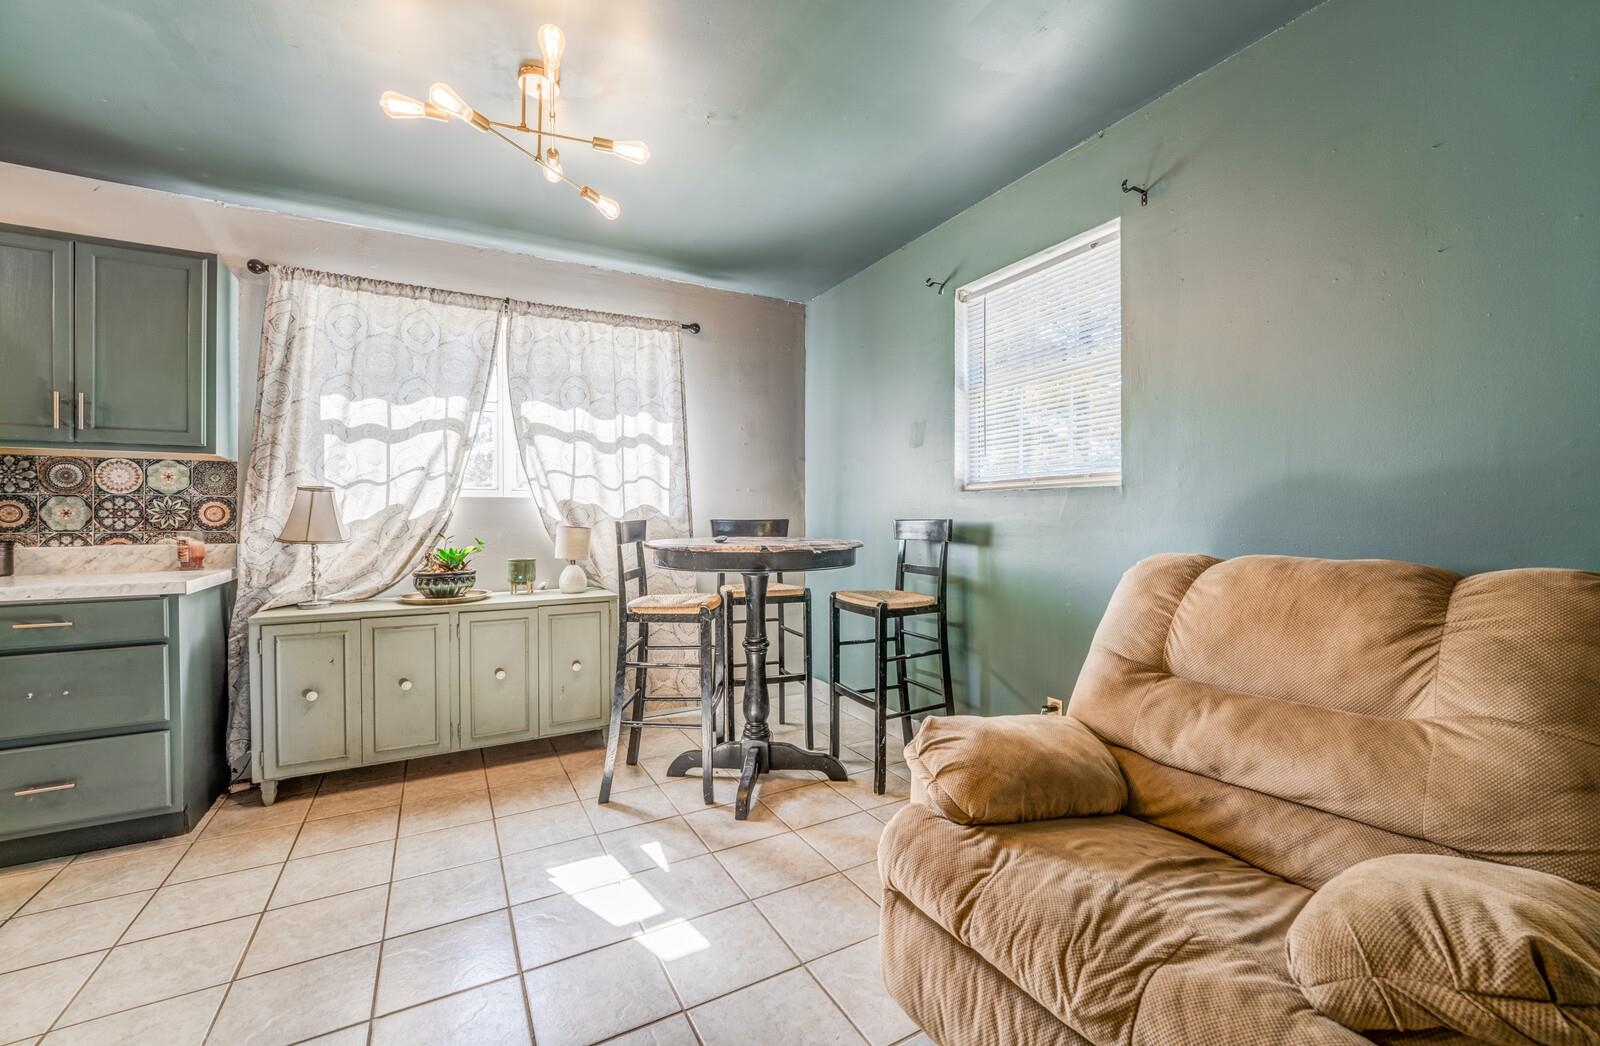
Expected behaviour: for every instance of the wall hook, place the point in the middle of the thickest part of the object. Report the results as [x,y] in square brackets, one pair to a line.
[929,283]
[1144,193]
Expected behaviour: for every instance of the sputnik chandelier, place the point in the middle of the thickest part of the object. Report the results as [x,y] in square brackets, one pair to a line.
[540,81]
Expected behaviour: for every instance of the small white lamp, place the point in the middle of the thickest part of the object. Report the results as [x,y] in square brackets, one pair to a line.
[313,520]
[572,544]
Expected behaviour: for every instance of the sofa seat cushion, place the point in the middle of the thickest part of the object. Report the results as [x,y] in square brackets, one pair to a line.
[1126,932]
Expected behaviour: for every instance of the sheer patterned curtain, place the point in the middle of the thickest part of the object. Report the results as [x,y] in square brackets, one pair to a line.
[374,388]
[597,401]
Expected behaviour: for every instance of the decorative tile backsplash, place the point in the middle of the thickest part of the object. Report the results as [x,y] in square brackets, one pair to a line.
[57,500]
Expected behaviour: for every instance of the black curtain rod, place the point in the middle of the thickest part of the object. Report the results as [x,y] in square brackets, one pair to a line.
[257,266]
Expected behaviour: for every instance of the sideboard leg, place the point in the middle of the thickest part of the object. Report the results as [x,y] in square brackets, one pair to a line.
[269,792]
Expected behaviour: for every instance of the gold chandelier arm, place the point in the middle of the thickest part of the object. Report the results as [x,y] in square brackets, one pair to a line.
[536,159]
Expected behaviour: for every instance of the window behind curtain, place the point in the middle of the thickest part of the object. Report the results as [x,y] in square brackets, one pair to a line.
[1039,369]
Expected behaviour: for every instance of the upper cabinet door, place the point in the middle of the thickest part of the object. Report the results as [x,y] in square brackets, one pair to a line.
[142,376]
[35,338]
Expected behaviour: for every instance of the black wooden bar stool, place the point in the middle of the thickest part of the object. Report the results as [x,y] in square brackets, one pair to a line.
[641,609]
[780,597]
[893,606]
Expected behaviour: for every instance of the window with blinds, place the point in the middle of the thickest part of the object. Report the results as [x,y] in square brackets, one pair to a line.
[1039,369]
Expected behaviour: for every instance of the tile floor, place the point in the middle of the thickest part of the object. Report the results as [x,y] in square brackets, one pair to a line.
[478,898]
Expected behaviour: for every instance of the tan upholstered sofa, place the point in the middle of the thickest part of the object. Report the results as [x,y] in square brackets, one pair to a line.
[1294,801]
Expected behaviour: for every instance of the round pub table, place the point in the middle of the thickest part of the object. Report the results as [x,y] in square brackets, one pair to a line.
[755,559]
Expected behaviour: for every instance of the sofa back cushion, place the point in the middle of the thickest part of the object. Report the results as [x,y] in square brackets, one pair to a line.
[1445,714]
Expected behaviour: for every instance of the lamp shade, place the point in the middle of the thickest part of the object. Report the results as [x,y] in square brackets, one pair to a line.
[313,518]
[572,542]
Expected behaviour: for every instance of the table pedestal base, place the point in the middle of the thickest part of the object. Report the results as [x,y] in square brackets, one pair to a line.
[753,758]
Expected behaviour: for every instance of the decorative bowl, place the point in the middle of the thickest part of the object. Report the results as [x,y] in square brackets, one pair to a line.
[443,584]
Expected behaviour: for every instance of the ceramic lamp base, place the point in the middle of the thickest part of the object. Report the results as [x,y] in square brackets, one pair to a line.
[573,579]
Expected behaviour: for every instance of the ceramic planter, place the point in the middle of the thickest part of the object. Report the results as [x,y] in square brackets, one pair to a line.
[444,584]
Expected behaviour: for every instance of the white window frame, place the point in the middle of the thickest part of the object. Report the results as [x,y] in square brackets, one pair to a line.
[510,481]
[971,292]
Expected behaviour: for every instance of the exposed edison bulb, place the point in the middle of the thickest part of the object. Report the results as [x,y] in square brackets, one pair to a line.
[608,207]
[552,43]
[552,165]
[444,96]
[403,107]
[633,152]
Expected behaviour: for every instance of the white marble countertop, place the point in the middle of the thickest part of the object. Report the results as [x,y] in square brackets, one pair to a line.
[44,588]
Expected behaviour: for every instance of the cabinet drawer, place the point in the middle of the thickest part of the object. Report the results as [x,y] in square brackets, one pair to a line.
[71,691]
[84,782]
[53,626]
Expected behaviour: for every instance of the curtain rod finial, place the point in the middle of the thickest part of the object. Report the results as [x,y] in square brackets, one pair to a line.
[256,265]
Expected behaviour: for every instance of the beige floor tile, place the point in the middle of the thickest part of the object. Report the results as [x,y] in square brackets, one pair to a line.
[565,744]
[719,953]
[847,841]
[585,777]
[674,1031]
[658,844]
[569,867]
[171,1022]
[884,813]
[776,863]
[512,794]
[217,898]
[29,940]
[626,809]
[443,960]
[687,794]
[355,797]
[444,811]
[853,976]
[602,993]
[245,813]
[298,1002]
[812,804]
[346,830]
[689,889]
[19,884]
[867,880]
[822,916]
[539,750]
[718,829]
[858,790]
[316,928]
[445,848]
[232,853]
[337,871]
[162,967]
[493,1015]
[31,999]
[563,925]
[442,897]
[95,880]
[454,774]
[358,777]
[538,828]
[789,1010]
[355,1035]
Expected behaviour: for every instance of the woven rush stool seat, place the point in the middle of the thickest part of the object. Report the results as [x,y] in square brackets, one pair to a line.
[675,604]
[894,599]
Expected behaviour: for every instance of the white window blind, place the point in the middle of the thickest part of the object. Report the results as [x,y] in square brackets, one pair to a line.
[1039,369]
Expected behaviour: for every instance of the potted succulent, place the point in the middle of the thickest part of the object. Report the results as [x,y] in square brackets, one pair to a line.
[445,573]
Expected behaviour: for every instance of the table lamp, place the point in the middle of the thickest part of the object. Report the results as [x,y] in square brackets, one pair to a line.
[313,520]
[572,544]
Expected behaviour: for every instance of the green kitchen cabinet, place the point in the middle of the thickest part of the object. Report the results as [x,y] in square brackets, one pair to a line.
[405,690]
[577,670]
[114,345]
[35,337]
[499,683]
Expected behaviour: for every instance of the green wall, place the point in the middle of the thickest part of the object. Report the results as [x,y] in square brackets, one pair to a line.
[1361,319]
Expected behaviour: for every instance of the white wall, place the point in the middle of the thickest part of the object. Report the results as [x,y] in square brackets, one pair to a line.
[744,373]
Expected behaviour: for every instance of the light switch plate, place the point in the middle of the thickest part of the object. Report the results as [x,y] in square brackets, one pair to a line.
[1052,706]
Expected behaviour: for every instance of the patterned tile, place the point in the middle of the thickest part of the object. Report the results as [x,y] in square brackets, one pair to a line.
[166,477]
[57,500]
[64,475]
[19,474]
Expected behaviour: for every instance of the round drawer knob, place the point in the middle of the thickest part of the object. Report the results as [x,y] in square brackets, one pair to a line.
[499,673]
[310,695]
[577,666]
[405,684]
[30,695]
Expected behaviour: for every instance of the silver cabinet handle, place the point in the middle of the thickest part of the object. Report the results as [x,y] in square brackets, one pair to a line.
[310,695]
[23,626]
[55,408]
[499,673]
[81,412]
[577,666]
[64,786]
[405,684]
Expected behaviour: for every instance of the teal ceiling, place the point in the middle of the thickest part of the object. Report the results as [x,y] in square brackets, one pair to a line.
[795,141]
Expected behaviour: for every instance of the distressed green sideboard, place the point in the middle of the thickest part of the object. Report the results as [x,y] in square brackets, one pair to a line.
[377,681]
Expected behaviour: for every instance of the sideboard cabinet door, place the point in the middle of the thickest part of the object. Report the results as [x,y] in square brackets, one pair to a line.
[35,338]
[405,691]
[311,679]
[577,678]
[499,676]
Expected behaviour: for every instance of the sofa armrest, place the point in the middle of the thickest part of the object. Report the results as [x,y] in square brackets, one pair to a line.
[1002,769]
[1414,942]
